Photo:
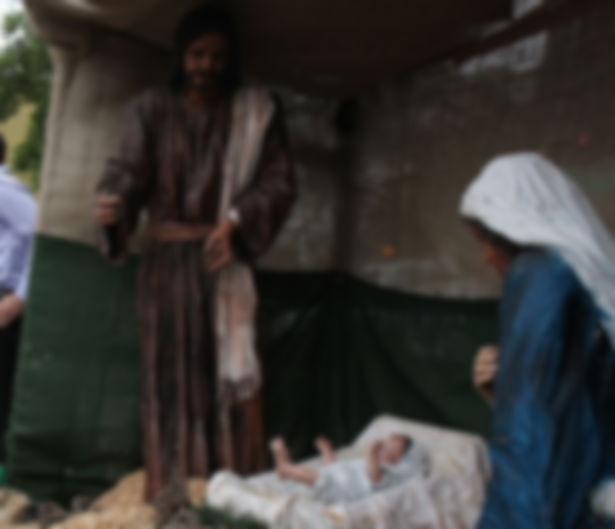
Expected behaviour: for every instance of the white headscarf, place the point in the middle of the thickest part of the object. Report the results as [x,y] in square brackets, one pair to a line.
[528,200]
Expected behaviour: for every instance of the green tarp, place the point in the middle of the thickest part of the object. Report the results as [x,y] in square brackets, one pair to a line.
[336,353]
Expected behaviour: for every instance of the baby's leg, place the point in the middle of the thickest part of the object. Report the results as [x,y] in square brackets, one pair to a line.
[306,475]
[287,469]
[325,448]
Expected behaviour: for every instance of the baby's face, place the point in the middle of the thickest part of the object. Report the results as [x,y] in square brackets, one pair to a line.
[393,449]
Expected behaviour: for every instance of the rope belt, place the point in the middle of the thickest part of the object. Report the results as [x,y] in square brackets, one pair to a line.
[179,232]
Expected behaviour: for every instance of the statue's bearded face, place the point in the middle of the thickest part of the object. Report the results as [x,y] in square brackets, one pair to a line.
[206,61]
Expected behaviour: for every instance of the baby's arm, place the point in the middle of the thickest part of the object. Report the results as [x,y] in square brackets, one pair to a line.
[374,466]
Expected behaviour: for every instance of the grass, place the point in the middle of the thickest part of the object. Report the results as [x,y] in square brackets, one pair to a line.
[15,130]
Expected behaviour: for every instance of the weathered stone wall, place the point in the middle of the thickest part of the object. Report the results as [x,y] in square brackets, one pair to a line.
[381,176]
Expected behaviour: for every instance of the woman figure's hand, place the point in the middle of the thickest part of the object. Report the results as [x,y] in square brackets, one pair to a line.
[485,370]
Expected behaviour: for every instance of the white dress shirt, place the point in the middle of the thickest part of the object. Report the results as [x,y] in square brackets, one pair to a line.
[18,213]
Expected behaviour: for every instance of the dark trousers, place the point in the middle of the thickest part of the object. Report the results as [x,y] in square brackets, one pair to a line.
[9,345]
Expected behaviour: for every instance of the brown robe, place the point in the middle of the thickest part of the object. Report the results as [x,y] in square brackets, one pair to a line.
[168,162]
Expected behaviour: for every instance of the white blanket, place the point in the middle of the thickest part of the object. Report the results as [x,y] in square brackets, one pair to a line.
[450,497]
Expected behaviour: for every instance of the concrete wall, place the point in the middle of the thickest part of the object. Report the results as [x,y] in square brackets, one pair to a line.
[381,175]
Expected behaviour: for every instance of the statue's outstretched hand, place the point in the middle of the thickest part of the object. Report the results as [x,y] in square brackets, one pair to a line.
[107,210]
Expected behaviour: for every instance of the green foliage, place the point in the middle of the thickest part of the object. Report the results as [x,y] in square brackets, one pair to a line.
[28,156]
[218,519]
[25,77]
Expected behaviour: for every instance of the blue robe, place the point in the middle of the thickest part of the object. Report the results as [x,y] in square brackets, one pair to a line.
[554,400]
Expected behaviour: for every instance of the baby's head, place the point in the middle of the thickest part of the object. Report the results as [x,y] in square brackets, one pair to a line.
[395,447]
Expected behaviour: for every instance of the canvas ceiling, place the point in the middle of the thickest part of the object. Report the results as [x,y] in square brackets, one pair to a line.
[336,46]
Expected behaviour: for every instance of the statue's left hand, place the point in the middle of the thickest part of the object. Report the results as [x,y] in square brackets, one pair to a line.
[218,248]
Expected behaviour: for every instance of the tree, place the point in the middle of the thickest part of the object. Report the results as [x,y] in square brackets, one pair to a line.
[25,77]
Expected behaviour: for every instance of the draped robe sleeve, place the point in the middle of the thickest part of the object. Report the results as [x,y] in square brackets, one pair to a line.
[128,175]
[265,204]
[548,450]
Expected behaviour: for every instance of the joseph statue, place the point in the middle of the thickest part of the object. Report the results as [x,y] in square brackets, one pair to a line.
[206,159]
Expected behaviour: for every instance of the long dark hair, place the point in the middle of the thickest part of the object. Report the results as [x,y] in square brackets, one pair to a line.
[195,23]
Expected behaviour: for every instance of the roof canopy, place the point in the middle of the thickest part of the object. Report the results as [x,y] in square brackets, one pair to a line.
[318,45]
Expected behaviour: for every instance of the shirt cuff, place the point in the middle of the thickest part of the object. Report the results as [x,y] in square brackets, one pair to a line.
[21,291]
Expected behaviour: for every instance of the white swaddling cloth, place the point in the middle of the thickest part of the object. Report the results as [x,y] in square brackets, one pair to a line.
[348,481]
[450,495]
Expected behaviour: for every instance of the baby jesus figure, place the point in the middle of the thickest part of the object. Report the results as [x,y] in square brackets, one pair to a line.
[388,462]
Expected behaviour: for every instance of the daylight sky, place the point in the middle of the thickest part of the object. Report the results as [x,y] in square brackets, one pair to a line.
[6,6]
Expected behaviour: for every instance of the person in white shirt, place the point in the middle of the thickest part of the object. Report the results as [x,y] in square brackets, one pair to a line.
[18,212]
